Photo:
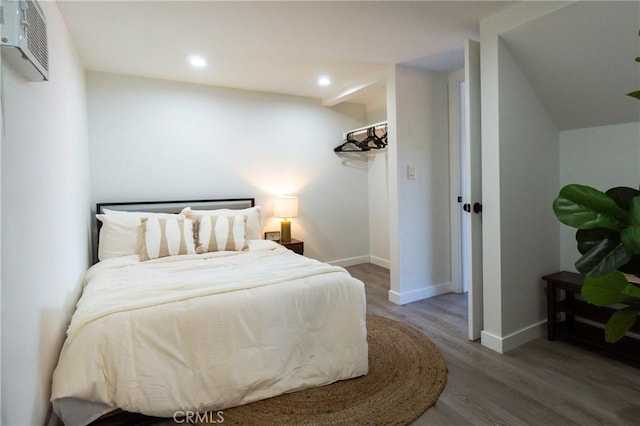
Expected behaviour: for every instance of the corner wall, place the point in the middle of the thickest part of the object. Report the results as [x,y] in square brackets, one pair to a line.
[529,176]
[417,105]
[520,179]
[45,222]
[378,197]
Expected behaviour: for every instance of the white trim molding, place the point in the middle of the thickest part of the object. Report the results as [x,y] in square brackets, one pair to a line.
[380,262]
[455,190]
[358,260]
[350,261]
[420,293]
[513,340]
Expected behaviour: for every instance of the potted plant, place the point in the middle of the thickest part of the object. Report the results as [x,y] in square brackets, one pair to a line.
[608,238]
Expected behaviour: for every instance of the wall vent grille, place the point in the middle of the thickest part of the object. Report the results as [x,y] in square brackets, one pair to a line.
[36,31]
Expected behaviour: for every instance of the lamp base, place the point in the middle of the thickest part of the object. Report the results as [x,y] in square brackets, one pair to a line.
[285,231]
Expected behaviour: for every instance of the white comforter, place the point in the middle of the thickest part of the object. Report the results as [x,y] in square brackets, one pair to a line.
[207,332]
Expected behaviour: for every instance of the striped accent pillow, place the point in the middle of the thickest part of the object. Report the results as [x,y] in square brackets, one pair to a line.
[221,233]
[166,237]
[251,214]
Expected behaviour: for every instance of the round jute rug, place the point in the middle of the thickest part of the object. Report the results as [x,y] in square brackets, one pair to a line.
[406,375]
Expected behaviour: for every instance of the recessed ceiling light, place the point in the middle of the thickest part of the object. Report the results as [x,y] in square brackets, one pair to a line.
[324,81]
[197,61]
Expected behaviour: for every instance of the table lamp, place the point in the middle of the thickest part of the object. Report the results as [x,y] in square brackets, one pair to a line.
[285,207]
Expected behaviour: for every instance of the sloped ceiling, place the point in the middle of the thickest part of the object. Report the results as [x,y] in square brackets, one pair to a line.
[580,61]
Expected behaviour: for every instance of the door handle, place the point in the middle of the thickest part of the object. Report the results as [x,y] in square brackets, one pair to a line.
[466,207]
[477,208]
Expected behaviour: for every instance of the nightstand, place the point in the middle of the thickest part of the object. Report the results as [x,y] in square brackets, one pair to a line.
[296,246]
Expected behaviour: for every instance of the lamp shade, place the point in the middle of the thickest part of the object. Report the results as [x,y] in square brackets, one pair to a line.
[286,206]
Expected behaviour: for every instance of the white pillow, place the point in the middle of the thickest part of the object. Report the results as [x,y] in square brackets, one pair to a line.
[121,233]
[221,233]
[252,214]
[166,237]
[123,212]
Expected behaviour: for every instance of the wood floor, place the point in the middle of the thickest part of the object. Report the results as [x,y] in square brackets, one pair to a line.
[540,383]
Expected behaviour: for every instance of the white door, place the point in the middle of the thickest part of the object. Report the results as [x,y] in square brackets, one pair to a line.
[473,185]
[465,180]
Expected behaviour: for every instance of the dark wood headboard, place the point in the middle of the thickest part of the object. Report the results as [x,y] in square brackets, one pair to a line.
[167,207]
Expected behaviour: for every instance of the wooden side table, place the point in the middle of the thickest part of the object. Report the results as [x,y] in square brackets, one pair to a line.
[296,246]
[571,283]
[584,323]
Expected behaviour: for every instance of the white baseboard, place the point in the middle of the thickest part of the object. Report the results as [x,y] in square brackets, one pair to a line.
[491,341]
[513,340]
[420,293]
[361,259]
[380,262]
[350,261]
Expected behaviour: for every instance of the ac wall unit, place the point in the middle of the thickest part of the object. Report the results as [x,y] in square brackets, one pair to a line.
[24,38]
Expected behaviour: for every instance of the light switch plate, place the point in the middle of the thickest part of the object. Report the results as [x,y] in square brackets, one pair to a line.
[411,172]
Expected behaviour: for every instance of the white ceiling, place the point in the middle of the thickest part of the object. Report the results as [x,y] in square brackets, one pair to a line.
[580,61]
[279,47]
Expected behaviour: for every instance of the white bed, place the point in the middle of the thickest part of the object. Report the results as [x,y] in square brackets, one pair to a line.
[204,332]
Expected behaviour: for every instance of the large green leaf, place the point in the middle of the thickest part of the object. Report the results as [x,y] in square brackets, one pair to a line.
[584,207]
[631,239]
[606,290]
[633,291]
[633,214]
[606,256]
[619,323]
[589,238]
[622,195]
[635,94]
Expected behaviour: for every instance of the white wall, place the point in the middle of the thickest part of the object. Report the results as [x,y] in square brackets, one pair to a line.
[379,209]
[378,197]
[420,258]
[1,292]
[45,222]
[602,157]
[160,140]
[529,176]
[520,179]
